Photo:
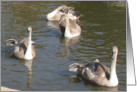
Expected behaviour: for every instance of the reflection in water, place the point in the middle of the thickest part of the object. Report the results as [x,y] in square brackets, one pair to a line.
[28,64]
[68,42]
[76,79]
[67,52]
[64,40]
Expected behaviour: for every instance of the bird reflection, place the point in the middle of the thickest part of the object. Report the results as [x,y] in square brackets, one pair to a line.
[64,40]
[77,79]
[68,42]
[74,79]
[28,64]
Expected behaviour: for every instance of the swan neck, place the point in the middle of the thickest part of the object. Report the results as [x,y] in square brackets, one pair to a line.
[29,39]
[67,30]
[52,14]
[113,76]
[28,54]
[55,11]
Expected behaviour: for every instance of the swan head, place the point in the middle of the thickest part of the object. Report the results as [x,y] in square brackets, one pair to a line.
[114,51]
[29,28]
[64,8]
[73,15]
[29,31]
[96,60]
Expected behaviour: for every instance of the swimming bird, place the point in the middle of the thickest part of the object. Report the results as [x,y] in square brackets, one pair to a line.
[68,27]
[97,73]
[23,49]
[57,13]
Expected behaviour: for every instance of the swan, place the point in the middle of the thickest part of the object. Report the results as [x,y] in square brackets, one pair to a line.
[57,13]
[98,73]
[68,27]
[23,49]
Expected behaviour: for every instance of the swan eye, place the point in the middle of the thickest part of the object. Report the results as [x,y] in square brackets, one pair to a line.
[62,11]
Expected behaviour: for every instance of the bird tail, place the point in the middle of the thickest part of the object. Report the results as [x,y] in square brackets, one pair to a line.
[11,42]
[75,67]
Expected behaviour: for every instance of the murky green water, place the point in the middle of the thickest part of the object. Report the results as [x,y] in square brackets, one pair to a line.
[103,25]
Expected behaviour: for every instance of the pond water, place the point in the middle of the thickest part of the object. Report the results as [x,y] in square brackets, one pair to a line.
[103,26]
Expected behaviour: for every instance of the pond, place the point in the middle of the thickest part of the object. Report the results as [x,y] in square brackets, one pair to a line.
[103,25]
